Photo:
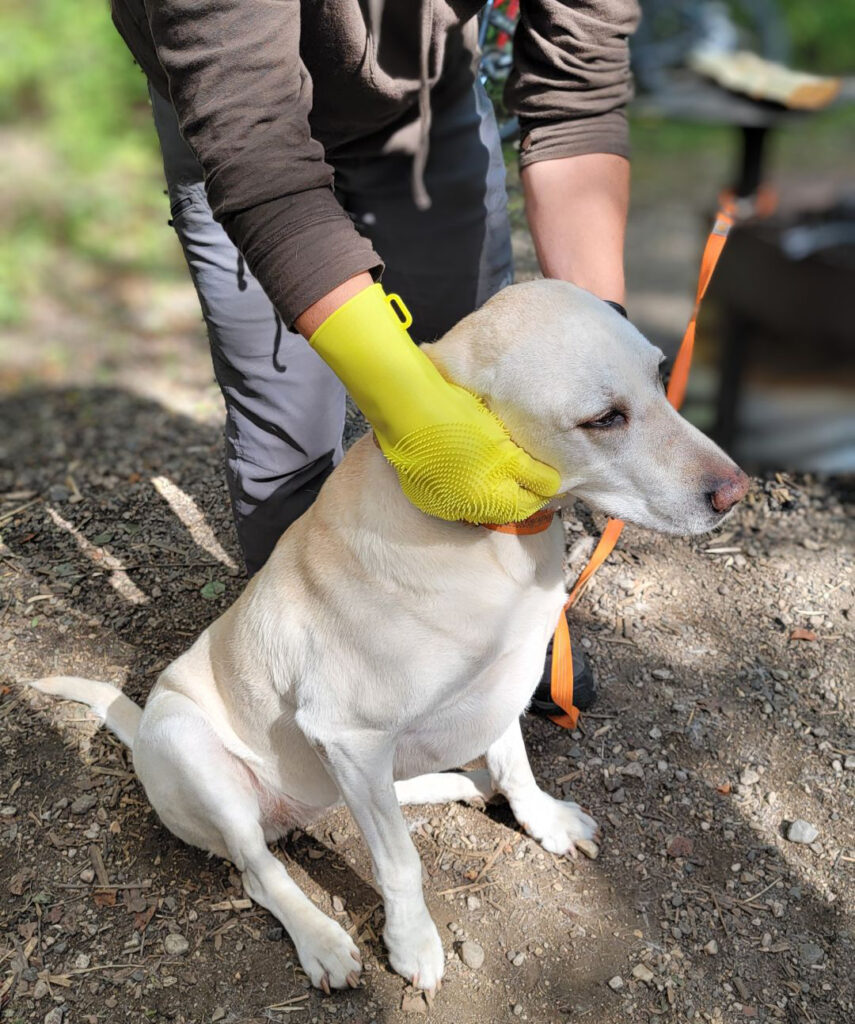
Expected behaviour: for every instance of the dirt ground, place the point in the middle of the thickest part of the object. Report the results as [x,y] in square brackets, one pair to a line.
[726,671]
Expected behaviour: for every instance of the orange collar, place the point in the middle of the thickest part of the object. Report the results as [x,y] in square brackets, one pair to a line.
[537,523]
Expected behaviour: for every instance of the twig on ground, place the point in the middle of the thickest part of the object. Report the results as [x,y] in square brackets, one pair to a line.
[491,860]
[15,511]
[469,887]
[718,911]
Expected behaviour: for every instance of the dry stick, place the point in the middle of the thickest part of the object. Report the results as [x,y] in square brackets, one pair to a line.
[101,967]
[358,922]
[96,885]
[470,887]
[561,870]
[491,860]
[11,515]
[720,915]
[98,865]
[288,1002]
[757,894]
[232,904]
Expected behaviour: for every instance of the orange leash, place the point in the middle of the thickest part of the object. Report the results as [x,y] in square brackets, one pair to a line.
[561,682]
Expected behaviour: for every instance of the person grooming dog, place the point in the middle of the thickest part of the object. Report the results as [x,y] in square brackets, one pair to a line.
[376,650]
[310,148]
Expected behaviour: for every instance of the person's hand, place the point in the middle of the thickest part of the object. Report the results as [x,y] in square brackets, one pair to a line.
[454,458]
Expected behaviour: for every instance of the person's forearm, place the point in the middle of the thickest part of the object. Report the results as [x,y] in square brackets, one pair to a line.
[576,208]
[312,318]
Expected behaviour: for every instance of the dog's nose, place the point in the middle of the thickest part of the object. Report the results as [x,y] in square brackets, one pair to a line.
[729,491]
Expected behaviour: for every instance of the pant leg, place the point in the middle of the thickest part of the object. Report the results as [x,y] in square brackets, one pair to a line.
[284,408]
[448,260]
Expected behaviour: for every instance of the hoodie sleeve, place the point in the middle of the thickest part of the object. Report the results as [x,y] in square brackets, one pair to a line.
[243,98]
[571,78]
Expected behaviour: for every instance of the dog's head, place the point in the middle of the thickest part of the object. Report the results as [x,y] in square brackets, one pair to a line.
[580,389]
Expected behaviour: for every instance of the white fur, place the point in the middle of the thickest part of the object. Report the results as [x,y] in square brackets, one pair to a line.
[379,647]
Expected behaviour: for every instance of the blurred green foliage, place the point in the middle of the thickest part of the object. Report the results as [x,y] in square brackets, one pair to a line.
[78,155]
[822,34]
[78,158]
[64,67]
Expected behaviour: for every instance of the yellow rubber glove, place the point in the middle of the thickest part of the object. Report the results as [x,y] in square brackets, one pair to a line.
[454,458]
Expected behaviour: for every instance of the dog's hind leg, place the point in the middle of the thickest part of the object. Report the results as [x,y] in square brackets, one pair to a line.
[446,788]
[206,797]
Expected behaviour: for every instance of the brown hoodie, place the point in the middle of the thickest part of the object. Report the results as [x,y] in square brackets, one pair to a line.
[271,94]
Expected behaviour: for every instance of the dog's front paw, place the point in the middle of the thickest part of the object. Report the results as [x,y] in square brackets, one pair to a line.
[327,954]
[557,824]
[416,953]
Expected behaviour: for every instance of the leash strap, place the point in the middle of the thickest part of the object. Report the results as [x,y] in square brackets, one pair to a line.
[712,252]
[561,680]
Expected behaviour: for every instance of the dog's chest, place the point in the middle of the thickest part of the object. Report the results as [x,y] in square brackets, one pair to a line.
[465,720]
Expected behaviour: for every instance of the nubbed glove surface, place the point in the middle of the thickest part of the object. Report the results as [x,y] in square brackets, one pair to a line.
[454,458]
[470,470]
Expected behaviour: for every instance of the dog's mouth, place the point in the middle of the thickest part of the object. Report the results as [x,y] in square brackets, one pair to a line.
[698,518]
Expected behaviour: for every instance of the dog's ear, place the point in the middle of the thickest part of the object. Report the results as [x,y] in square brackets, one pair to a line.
[470,353]
[460,358]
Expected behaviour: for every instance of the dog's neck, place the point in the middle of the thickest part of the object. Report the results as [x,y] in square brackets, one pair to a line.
[364,505]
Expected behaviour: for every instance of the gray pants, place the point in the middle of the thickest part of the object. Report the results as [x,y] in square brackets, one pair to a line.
[284,408]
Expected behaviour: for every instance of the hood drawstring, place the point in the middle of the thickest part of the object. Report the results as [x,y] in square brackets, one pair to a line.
[420,158]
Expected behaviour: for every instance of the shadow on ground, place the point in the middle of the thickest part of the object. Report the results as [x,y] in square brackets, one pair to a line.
[714,730]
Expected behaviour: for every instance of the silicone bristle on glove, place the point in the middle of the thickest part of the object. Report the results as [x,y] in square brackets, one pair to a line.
[454,458]
[462,471]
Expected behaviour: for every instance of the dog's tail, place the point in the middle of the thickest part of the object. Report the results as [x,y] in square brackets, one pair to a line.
[116,711]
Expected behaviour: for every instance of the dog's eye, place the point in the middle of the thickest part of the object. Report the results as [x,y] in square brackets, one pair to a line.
[613,418]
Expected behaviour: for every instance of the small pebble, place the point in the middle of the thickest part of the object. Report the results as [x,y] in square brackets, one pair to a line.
[175,945]
[616,983]
[588,847]
[338,904]
[87,875]
[811,953]
[472,954]
[642,973]
[84,803]
[40,989]
[82,961]
[711,948]
[801,831]
[749,777]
